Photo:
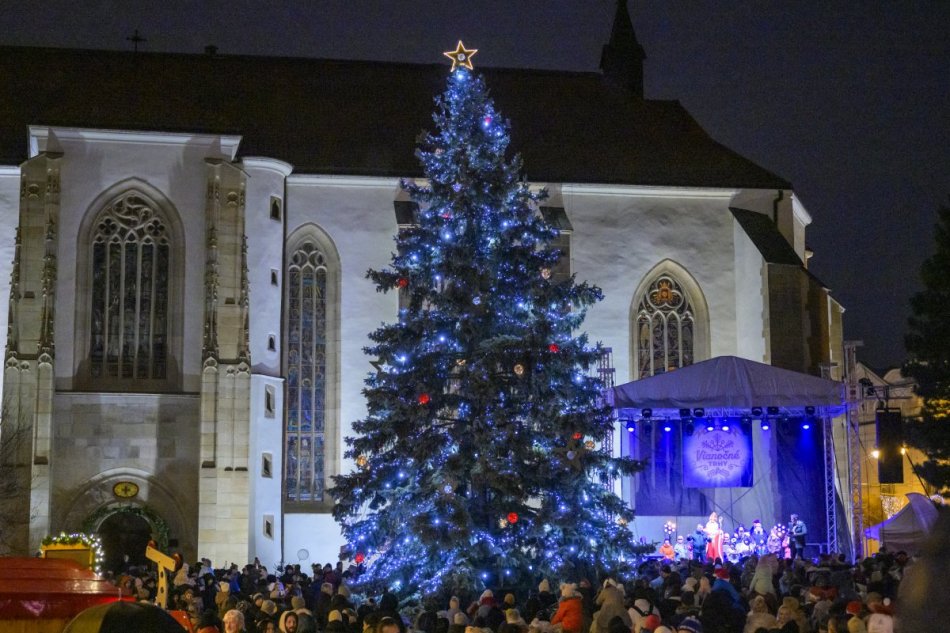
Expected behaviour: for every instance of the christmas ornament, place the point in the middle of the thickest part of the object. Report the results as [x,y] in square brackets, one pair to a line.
[578,435]
[448,489]
[545,273]
[403,282]
[457,187]
[359,558]
[503,523]
[621,521]
[362,462]
[571,455]
[487,120]
[461,362]
[512,517]
[554,348]
[519,369]
[424,398]
[461,56]
[476,300]
[589,445]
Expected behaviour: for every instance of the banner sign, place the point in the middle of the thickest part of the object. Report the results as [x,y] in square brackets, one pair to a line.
[718,458]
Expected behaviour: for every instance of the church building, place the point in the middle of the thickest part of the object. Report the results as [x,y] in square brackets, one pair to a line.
[183,257]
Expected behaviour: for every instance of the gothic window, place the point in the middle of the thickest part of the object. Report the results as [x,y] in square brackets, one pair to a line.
[305,433]
[130,278]
[665,328]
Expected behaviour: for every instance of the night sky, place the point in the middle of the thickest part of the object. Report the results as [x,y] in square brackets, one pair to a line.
[850,101]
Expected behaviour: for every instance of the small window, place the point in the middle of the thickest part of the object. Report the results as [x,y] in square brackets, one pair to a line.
[275,208]
[269,525]
[267,465]
[270,401]
[271,343]
[273,277]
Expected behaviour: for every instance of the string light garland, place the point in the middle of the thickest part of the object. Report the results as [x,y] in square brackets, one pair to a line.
[89,541]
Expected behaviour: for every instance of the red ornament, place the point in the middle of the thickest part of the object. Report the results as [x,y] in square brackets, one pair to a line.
[424,398]
[487,120]
[359,558]
[403,282]
[512,517]
[554,348]
[578,435]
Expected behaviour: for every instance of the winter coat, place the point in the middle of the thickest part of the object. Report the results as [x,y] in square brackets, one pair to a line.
[611,605]
[570,615]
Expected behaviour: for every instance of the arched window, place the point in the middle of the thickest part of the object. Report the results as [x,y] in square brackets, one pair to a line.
[130,276]
[306,427]
[665,331]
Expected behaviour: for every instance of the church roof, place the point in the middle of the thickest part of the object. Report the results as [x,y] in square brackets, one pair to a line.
[362,118]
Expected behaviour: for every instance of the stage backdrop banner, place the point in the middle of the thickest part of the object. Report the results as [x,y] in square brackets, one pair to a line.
[718,458]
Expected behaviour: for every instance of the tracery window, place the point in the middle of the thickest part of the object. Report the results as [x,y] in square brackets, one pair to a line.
[665,331]
[305,433]
[129,311]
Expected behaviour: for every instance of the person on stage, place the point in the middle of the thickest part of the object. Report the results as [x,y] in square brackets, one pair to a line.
[698,539]
[714,533]
[797,531]
[759,538]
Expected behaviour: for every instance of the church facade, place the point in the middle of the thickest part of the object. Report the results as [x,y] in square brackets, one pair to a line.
[184,254]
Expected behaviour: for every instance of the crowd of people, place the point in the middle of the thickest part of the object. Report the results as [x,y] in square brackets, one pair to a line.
[760,594]
[711,541]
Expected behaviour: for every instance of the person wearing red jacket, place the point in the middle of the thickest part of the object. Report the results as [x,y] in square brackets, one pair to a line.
[570,612]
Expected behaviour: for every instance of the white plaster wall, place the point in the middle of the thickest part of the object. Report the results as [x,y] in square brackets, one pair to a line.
[751,299]
[265,242]
[266,435]
[358,215]
[621,233]
[177,169]
[9,219]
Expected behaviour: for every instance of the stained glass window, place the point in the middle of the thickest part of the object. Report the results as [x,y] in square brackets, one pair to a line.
[306,374]
[129,317]
[665,328]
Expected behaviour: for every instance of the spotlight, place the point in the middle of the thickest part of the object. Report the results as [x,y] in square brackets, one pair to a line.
[688,429]
[725,427]
[710,427]
[646,413]
[685,413]
[667,428]
[806,426]
[631,427]
[756,412]
[876,454]
[765,425]
[772,410]
[699,412]
[809,410]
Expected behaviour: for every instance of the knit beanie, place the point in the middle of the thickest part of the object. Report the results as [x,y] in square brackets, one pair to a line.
[335,616]
[544,586]
[269,607]
[297,602]
[486,594]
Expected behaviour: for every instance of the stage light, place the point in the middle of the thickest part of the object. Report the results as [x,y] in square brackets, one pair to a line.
[806,426]
[756,412]
[646,413]
[699,412]
[688,429]
[710,427]
[772,410]
[725,427]
[631,427]
[876,454]
[667,428]
[809,410]
[765,425]
[903,450]
[746,420]
[685,413]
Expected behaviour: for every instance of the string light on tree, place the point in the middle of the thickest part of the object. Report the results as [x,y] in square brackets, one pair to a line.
[500,457]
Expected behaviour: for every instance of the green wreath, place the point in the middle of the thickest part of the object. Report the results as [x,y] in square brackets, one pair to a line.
[158,524]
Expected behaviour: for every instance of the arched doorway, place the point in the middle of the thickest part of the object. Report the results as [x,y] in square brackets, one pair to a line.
[124,534]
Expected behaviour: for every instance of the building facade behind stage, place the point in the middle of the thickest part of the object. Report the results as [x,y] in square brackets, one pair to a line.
[184,253]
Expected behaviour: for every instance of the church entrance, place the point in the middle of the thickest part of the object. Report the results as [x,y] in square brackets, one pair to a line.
[124,534]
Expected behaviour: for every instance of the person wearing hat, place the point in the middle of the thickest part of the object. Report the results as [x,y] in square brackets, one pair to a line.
[208,622]
[650,623]
[288,622]
[570,613]
[610,601]
[690,625]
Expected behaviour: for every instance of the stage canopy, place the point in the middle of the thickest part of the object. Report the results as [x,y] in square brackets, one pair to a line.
[908,529]
[727,385]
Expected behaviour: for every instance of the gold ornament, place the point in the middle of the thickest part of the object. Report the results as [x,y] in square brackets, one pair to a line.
[589,445]
[362,462]
[461,56]
[502,522]
[519,369]
[545,273]
[461,362]
[621,521]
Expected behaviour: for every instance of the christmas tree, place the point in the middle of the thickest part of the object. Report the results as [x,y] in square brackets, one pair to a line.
[480,461]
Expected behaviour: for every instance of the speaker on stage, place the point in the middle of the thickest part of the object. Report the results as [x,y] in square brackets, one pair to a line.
[890,439]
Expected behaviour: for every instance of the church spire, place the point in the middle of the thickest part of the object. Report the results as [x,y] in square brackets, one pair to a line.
[622,58]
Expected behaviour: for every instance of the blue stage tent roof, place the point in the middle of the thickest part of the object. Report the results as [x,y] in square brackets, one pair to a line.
[727,385]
